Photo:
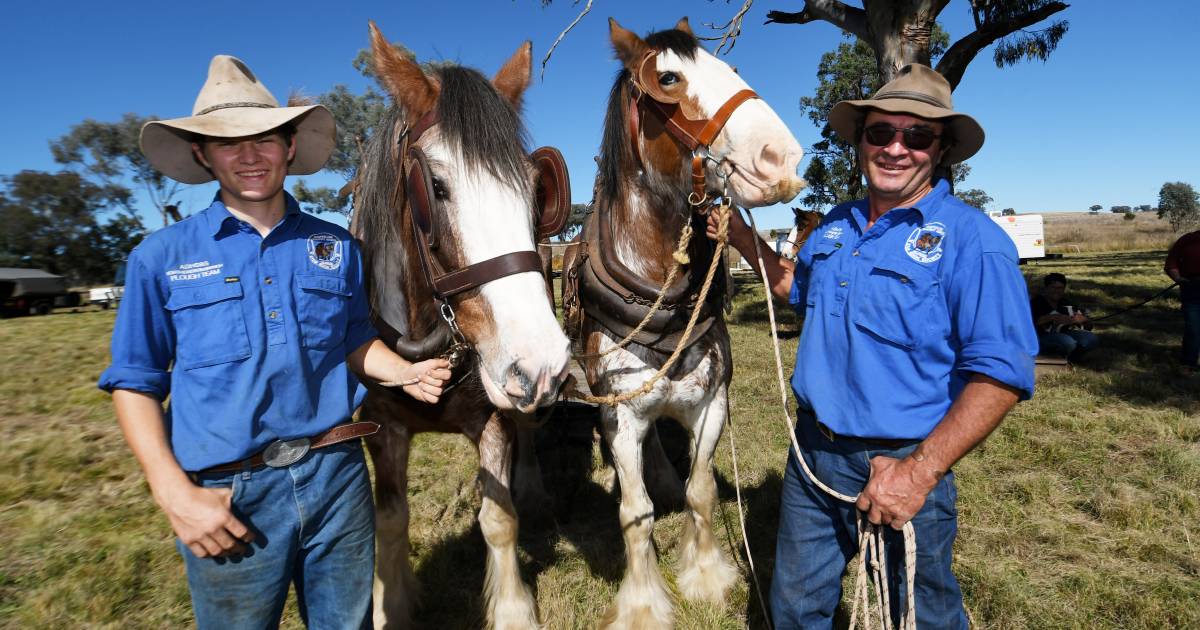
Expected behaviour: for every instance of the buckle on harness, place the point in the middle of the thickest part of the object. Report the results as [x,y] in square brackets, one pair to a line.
[280,453]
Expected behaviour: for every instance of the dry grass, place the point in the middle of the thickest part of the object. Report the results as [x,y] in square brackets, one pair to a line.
[1075,514]
[1080,232]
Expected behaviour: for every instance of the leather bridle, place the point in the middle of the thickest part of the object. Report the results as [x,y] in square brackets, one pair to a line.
[553,199]
[697,135]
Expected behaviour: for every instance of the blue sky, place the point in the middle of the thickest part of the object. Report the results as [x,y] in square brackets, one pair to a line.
[1108,119]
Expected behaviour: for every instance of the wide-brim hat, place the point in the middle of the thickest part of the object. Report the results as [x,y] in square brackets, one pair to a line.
[233,103]
[920,91]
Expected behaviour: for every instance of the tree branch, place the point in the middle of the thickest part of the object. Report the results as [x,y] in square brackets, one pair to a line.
[563,34]
[850,19]
[954,63]
[732,29]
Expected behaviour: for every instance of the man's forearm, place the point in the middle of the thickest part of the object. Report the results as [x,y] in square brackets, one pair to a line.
[973,416]
[778,270]
[376,361]
[140,417]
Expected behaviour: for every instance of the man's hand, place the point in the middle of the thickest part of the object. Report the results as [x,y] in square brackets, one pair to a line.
[424,380]
[896,490]
[738,228]
[203,519]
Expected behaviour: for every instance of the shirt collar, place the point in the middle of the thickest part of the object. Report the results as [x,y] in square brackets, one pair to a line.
[926,206]
[220,219]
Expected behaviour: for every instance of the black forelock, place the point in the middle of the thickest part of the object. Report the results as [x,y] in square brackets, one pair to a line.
[475,117]
[676,41]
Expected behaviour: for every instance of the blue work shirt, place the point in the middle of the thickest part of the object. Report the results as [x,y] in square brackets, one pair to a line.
[898,317]
[248,335]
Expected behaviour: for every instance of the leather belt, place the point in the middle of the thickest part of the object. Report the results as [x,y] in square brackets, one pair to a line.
[282,453]
[883,442]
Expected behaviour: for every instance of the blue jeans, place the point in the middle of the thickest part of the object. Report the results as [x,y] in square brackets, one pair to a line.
[818,536]
[314,525]
[1191,334]
[1067,342]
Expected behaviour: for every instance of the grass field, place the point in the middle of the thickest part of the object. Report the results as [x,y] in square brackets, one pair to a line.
[1077,513]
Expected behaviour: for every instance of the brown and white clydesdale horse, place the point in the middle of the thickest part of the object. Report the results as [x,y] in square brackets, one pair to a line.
[681,125]
[447,204]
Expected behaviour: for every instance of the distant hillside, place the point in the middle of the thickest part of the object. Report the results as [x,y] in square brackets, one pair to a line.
[1074,232]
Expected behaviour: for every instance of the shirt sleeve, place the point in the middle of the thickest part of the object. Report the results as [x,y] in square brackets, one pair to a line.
[143,340]
[1172,261]
[798,296]
[993,324]
[360,329]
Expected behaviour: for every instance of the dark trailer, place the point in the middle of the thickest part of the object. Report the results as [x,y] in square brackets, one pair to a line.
[31,291]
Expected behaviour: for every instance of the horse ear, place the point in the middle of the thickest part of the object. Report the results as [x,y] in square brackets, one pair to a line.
[629,47]
[401,76]
[682,25]
[513,78]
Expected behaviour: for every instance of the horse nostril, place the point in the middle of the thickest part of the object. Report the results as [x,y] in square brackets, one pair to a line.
[771,158]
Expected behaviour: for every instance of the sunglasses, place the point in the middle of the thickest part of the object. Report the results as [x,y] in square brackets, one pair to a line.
[916,138]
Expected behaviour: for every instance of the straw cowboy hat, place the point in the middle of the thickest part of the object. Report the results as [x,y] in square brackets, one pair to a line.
[233,103]
[917,90]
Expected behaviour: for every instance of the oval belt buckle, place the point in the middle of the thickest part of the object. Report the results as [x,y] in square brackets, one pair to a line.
[280,453]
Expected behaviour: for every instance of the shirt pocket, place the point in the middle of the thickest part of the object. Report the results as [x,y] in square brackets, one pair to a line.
[210,326]
[322,306]
[818,269]
[896,301]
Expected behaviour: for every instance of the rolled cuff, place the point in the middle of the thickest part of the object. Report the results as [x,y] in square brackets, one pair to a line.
[1004,362]
[156,383]
[358,335]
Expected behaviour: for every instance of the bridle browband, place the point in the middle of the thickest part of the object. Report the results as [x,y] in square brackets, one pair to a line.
[696,135]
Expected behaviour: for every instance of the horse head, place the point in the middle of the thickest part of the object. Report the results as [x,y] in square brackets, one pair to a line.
[754,148]
[459,192]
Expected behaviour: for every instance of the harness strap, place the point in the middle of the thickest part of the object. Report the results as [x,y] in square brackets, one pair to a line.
[485,271]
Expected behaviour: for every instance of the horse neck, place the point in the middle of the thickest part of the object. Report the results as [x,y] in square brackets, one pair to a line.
[647,220]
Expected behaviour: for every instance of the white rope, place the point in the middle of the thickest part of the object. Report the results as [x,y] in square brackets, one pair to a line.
[870,536]
[737,485]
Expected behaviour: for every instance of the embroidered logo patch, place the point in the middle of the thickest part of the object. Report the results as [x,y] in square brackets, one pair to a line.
[325,251]
[924,245]
[834,233]
[194,271]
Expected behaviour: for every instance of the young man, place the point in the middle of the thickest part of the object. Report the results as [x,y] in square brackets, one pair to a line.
[252,315]
[1063,329]
[1183,266]
[917,340]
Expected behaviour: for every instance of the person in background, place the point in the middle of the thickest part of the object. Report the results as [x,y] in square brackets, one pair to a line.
[1063,329]
[1183,266]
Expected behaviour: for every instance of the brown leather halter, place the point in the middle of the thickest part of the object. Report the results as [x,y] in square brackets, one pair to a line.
[696,135]
[553,198]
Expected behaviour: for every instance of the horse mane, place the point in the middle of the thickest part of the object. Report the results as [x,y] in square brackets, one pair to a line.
[475,118]
[616,157]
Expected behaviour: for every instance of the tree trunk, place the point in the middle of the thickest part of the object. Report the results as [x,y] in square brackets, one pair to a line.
[900,30]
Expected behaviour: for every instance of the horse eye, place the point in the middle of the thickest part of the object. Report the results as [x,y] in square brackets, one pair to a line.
[668,78]
[440,192]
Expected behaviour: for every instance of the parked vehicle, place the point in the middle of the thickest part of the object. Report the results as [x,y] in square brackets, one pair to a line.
[32,292]
[107,297]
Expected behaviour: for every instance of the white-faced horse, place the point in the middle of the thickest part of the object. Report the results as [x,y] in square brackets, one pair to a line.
[681,127]
[447,206]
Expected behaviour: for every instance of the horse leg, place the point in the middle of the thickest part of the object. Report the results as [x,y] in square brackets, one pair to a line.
[510,603]
[643,600]
[662,480]
[529,493]
[704,571]
[395,590]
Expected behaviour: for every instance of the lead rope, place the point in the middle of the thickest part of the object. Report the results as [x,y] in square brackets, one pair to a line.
[870,536]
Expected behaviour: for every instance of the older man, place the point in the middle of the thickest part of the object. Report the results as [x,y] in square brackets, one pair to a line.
[917,340]
[251,316]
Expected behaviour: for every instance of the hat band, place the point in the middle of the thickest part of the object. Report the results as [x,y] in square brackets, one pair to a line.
[214,108]
[911,96]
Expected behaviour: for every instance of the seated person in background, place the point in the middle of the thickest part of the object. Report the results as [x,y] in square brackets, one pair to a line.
[1063,329]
